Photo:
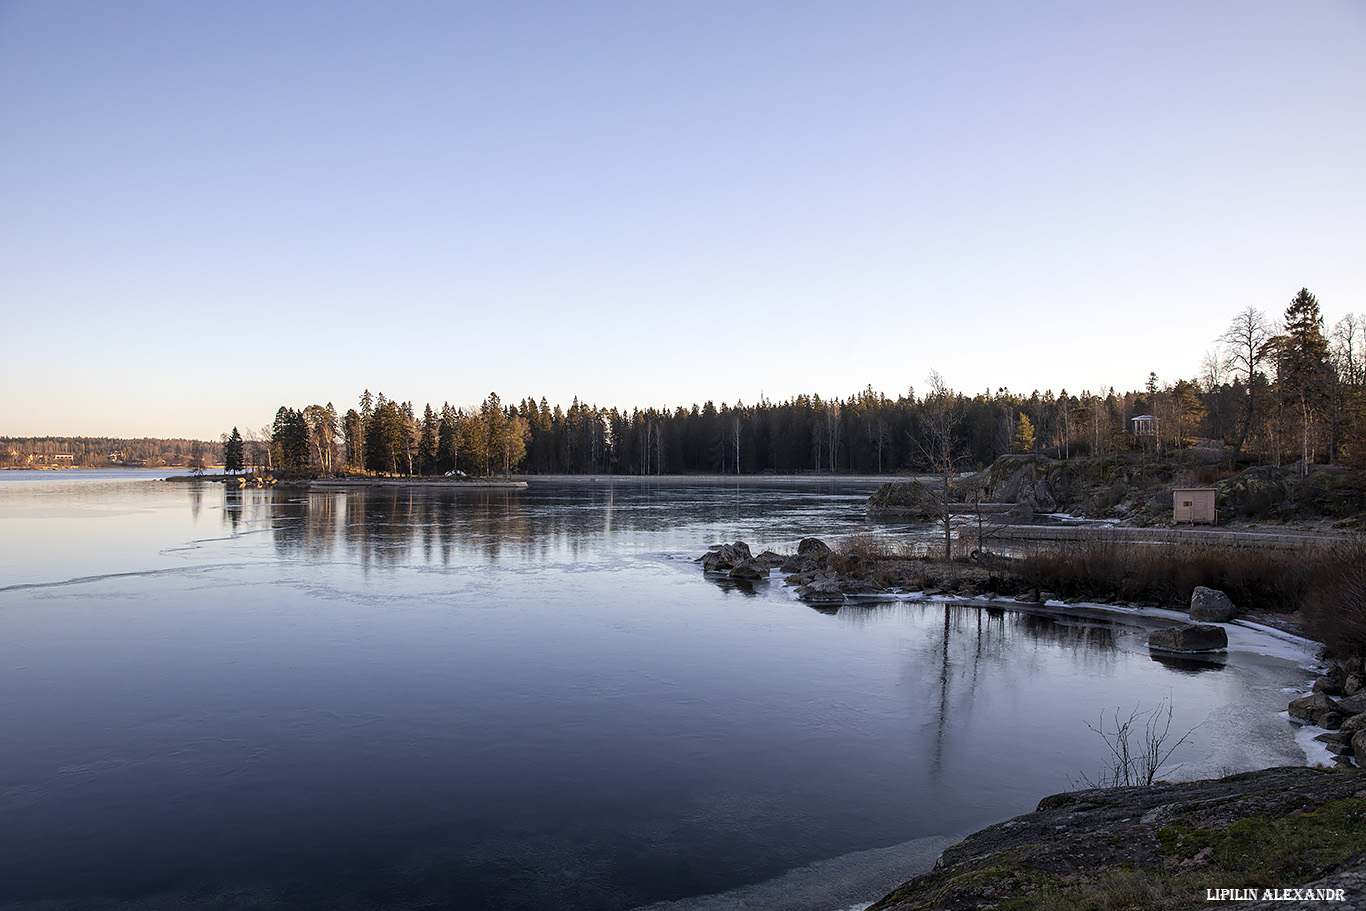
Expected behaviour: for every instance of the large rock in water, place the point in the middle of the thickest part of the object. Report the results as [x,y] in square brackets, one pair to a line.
[749,570]
[769,560]
[1192,637]
[1209,605]
[813,555]
[723,557]
[823,590]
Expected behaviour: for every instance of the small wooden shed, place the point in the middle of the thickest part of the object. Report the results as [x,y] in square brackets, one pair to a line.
[1194,504]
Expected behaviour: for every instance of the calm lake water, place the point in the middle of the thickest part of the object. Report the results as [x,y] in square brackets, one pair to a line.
[534,699]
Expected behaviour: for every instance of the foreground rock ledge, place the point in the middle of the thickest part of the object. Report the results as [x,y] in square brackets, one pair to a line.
[1163,845]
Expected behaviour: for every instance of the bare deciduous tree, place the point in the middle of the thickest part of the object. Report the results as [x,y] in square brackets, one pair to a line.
[941,416]
[1244,350]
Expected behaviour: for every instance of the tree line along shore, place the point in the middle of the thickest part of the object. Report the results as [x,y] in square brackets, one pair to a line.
[1269,392]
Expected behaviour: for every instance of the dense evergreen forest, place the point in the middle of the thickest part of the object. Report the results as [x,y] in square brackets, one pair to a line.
[1275,392]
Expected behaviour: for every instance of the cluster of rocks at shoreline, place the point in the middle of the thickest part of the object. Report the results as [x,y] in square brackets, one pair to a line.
[1338,700]
[826,577]
[1338,705]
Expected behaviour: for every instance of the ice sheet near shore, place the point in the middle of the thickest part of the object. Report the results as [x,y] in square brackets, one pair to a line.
[1250,738]
[853,882]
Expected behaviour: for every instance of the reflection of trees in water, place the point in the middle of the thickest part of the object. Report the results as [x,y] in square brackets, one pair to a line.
[964,646]
[393,526]
[232,507]
[396,525]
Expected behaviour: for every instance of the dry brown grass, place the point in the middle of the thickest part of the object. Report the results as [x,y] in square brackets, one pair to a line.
[1335,607]
[1255,578]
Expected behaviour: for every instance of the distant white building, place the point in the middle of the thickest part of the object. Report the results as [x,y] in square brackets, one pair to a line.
[1144,425]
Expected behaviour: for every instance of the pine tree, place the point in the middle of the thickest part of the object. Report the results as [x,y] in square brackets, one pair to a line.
[494,427]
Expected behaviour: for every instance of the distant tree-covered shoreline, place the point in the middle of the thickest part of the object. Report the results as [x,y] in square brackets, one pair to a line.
[107,452]
[1272,392]
[1275,392]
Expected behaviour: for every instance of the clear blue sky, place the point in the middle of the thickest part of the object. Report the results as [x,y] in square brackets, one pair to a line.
[208,210]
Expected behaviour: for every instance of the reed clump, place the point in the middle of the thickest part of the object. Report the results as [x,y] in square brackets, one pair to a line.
[1336,605]
[1166,573]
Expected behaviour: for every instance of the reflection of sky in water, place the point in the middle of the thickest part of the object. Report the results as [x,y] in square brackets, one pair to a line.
[497,697]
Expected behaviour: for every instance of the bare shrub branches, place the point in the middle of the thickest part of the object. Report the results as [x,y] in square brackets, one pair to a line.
[1336,607]
[1140,746]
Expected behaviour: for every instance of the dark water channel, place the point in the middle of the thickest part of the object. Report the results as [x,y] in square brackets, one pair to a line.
[416,699]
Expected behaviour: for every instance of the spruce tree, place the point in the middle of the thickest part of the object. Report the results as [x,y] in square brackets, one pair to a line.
[232,452]
[1302,367]
[427,442]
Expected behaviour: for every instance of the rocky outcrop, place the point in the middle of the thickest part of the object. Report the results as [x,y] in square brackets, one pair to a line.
[822,590]
[725,557]
[1355,723]
[1077,844]
[769,560]
[1209,605]
[749,571]
[736,561]
[1191,637]
[1258,491]
[904,500]
[812,556]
